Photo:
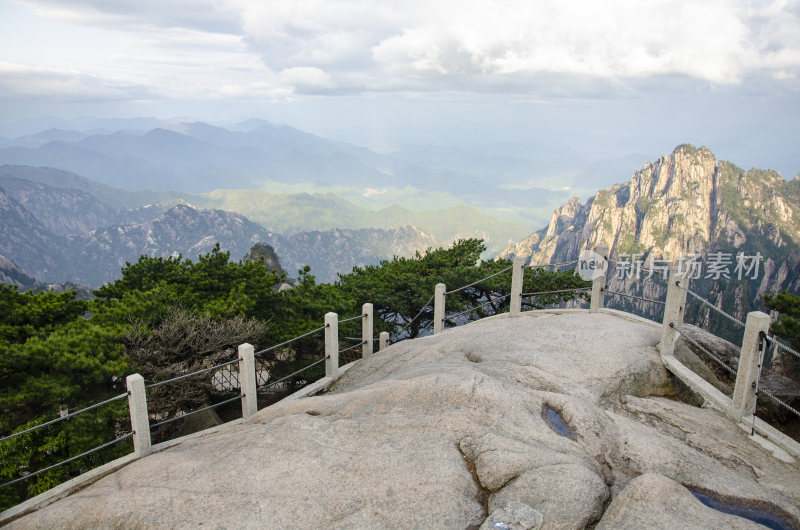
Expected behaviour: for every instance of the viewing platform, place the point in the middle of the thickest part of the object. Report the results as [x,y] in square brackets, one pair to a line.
[564,418]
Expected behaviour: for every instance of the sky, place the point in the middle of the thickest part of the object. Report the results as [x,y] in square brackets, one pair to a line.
[603,78]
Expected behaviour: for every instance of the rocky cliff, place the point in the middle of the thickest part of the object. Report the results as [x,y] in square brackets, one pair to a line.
[685,203]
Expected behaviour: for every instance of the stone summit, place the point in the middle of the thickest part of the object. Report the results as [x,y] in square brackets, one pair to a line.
[544,419]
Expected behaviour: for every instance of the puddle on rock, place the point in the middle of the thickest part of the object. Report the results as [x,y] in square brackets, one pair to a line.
[753,514]
[553,419]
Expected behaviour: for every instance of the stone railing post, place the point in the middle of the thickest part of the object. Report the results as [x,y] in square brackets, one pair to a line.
[383,340]
[366,330]
[438,308]
[517,275]
[332,346]
[248,385]
[674,310]
[599,282]
[744,392]
[140,421]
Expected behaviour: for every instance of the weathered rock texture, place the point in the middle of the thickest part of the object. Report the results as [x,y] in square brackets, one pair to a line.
[443,431]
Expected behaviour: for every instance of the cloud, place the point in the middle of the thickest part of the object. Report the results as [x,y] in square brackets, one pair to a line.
[522,46]
[306,77]
[24,82]
[204,15]
[482,45]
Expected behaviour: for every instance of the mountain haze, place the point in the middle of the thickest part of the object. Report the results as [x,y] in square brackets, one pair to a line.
[291,213]
[58,233]
[197,157]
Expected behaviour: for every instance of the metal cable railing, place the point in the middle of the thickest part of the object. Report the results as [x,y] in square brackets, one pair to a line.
[352,318]
[639,270]
[423,330]
[779,402]
[479,281]
[576,289]
[556,265]
[65,417]
[783,346]
[68,460]
[286,342]
[760,390]
[186,415]
[301,370]
[659,302]
[192,374]
[353,347]
[703,349]
[470,310]
[426,306]
[709,304]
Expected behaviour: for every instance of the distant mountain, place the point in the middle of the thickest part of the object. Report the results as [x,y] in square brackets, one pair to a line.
[165,159]
[197,157]
[11,274]
[66,235]
[683,204]
[61,211]
[27,241]
[113,197]
[288,214]
[333,251]
[49,135]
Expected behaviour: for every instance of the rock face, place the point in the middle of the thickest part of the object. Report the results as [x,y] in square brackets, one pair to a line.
[685,203]
[454,431]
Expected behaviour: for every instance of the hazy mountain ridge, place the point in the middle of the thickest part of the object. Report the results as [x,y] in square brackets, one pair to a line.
[685,203]
[56,234]
[292,213]
[198,157]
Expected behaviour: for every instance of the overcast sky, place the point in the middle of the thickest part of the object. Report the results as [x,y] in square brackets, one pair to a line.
[602,77]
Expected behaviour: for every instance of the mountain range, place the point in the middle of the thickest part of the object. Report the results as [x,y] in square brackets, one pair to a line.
[512,179]
[59,227]
[683,204]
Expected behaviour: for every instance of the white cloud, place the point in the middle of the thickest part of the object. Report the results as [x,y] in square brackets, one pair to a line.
[533,47]
[306,77]
[19,81]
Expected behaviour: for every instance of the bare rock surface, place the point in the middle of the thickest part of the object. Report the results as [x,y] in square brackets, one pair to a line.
[446,431]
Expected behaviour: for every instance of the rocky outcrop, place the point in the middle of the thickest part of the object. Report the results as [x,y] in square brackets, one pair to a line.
[683,204]
[568,416]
